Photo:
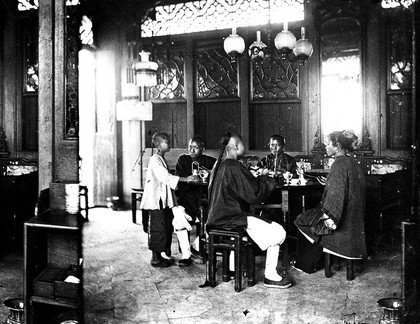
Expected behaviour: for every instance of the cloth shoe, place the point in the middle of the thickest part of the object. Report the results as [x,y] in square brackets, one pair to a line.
[162,264]
[164,256]
[184,262]
[155,258]
[284,283]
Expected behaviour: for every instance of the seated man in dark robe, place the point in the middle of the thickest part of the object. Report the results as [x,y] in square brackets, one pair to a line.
[232,187]
[336,226]
[189,195]
[278,161]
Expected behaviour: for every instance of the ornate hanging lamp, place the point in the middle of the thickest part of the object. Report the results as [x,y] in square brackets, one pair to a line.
[234,45]
[303,49]
[285,42]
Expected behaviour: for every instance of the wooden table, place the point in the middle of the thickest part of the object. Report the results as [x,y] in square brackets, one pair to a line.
[294,200]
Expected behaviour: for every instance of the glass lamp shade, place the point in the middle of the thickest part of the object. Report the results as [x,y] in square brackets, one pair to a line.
[256,49]
[234,45]
[303,50]
[285,41]
[145,71]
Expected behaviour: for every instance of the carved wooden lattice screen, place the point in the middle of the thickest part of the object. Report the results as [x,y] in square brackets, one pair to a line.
[217,108]
[275,79]
[217,76]
[170,73]
[168,96]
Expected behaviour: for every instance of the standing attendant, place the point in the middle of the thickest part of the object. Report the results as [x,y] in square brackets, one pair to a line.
[278,161]
[159,200]
[337,224]
[232,187]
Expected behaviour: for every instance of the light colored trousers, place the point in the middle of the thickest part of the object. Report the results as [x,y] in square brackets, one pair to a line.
[265,234]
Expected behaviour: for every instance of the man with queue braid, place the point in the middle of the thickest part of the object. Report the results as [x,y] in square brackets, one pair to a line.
[232,187]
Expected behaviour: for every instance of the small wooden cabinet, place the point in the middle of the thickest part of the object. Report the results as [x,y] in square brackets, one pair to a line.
[52,253]
[387,204]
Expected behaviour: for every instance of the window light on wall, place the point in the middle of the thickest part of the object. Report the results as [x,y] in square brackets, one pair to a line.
[24,5]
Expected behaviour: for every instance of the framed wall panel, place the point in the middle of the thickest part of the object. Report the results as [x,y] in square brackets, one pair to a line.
[276,118]
[213,119]
[169,117]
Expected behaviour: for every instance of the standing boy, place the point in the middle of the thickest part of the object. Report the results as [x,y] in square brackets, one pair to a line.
[158,200]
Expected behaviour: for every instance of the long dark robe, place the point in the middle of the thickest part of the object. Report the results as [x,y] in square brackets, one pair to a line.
[188,195]
[283,163]
[233,188]
[343,201]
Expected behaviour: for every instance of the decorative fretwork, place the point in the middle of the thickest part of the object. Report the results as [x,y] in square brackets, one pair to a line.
[217,76]
[397,3]
[275,79]
[24,5]
[85,31]
[198,16]
[72,75]
[400,54]
[30,39]
[170,74]
[326,9]
[319,147]
[366,144]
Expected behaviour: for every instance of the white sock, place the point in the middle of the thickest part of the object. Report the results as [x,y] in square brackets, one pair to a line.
[232,261]
[196,244]
[165,256]
[184,243]
[271,263]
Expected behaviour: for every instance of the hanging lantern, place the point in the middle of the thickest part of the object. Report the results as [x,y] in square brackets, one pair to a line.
[303,49]
[234,45]
[256,50]
[145,71]
[285,42]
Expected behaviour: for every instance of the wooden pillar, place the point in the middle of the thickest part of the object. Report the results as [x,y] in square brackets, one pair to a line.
[244,93]
[45,93]
[58,156]
[189,88]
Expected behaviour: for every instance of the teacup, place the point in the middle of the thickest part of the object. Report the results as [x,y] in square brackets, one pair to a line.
[204,175]
[302,181]
[294,181]
[287,176]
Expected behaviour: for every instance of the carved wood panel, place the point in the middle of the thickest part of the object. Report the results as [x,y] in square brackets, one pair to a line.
[399,121]
[273,118]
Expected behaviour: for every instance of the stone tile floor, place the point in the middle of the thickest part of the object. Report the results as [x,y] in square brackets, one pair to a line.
[120,286]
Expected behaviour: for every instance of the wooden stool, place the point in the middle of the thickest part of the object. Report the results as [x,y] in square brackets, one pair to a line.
[136,195]
[226,241]
[284,222]
[336,259]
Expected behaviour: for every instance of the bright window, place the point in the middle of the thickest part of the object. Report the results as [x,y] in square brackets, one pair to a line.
[341,95]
